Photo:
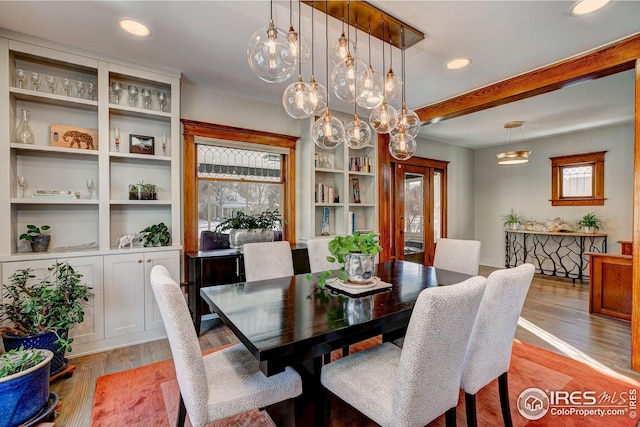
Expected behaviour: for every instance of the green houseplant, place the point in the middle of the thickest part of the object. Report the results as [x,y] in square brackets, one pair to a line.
[250,228]
[590,222]
[24,384]
[39,241]
[356,254]
[156,235]
[41,312]
[512,220]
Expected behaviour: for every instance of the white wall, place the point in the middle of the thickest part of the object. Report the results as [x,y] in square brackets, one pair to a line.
[527,188]
[460,186]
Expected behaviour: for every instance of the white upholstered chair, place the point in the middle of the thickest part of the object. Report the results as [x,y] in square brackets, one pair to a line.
[489,351]
[223,383]
[462,256]
[318,250]
[267,260]
[413,385]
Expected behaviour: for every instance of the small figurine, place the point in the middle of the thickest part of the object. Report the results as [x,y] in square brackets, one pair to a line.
[127,240]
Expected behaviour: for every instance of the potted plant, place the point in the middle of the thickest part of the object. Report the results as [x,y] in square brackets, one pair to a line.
[356,253]
[142,191]
[41,312]
[39,242]
[156,235]
[24,384]
[512,220]
[250,228]
[589,223]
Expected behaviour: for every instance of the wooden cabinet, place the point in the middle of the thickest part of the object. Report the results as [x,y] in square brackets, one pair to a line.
[626,247]
[610,285]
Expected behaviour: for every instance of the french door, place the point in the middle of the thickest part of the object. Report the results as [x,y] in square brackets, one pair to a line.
[418,214]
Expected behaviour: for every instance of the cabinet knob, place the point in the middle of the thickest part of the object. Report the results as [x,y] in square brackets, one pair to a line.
[149,260]
[139,261]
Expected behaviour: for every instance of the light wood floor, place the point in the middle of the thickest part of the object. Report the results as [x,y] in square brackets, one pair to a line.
[555,308]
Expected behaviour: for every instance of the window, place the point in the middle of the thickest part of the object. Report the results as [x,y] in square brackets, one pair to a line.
[578,180]
[227,169]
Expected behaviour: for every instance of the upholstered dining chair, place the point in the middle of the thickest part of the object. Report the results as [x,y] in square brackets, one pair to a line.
[417,383]
[223,383]
[489,351]
[318,250]
[267,260]
[462,256]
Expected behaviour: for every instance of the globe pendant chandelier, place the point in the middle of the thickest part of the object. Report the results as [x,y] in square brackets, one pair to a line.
[383,117]
[328,131]
[349,74]
[402,144]
[268,54]
[300,99]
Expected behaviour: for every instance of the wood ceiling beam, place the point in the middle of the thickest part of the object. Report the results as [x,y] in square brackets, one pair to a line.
[368,16]
[610,59]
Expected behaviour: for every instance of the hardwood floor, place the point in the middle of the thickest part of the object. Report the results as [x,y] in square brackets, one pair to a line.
[555,317]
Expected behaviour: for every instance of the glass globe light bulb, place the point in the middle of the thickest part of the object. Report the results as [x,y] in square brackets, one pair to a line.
[319,93]
[340,48]
[347,78]
[383,117]
[407,122]
[358,133]
[269,56]
[392,85]
[299,100]
[296,41]
[328,131]
[373,84]
[402,146]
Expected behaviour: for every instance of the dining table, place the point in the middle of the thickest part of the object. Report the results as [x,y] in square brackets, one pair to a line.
[296,320]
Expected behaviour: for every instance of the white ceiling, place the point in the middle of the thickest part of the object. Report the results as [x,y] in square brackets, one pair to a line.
[206,41]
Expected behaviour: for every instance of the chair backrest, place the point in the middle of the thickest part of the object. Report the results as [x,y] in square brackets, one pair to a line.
[489,351]
[318,250]
[267,260]
[183,340]
[433,351]
[462,256]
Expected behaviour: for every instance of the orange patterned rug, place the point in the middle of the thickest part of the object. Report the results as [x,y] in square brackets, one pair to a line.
[147,396]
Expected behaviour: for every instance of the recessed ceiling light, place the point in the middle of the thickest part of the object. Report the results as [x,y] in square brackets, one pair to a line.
[587,6]
[134,27]
[456,64]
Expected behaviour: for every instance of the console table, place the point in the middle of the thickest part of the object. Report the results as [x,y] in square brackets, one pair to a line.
[559,254]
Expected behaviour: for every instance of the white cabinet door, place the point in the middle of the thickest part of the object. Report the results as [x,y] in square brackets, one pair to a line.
[123,294]
[170,260]
[92,327]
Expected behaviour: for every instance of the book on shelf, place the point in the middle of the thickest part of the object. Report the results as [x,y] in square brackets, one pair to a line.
[360,164]
[55,194]
[325,194]
[355,183]
[352,222]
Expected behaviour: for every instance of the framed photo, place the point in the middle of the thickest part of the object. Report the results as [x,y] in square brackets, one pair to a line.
[356,190]
[140,144]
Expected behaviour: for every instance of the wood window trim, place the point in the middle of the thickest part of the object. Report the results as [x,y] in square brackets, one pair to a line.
[596,160]
[193,129]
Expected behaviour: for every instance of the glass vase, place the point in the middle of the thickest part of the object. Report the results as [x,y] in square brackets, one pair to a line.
[24,133]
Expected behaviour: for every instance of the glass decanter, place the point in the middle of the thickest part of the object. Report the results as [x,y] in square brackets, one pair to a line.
[24,133]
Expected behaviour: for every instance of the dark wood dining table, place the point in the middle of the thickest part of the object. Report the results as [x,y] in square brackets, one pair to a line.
[289,320]
[292,321]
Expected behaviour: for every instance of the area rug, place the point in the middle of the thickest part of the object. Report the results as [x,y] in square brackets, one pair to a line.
[148,396]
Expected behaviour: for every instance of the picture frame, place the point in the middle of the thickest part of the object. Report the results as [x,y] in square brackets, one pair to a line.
[356,190]
[141,144]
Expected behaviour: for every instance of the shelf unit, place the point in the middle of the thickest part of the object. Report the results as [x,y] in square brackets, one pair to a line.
[85,224]
[84,230]
[333,168]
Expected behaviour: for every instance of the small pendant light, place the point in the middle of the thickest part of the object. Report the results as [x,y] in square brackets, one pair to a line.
[402,144]
[373,85]
[383,117]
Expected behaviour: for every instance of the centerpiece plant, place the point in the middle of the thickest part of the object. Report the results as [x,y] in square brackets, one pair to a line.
[355,254]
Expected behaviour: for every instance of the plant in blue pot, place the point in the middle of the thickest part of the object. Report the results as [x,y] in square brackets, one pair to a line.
[38,313]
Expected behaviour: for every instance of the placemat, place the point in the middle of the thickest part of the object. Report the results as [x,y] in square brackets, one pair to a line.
[354,291]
